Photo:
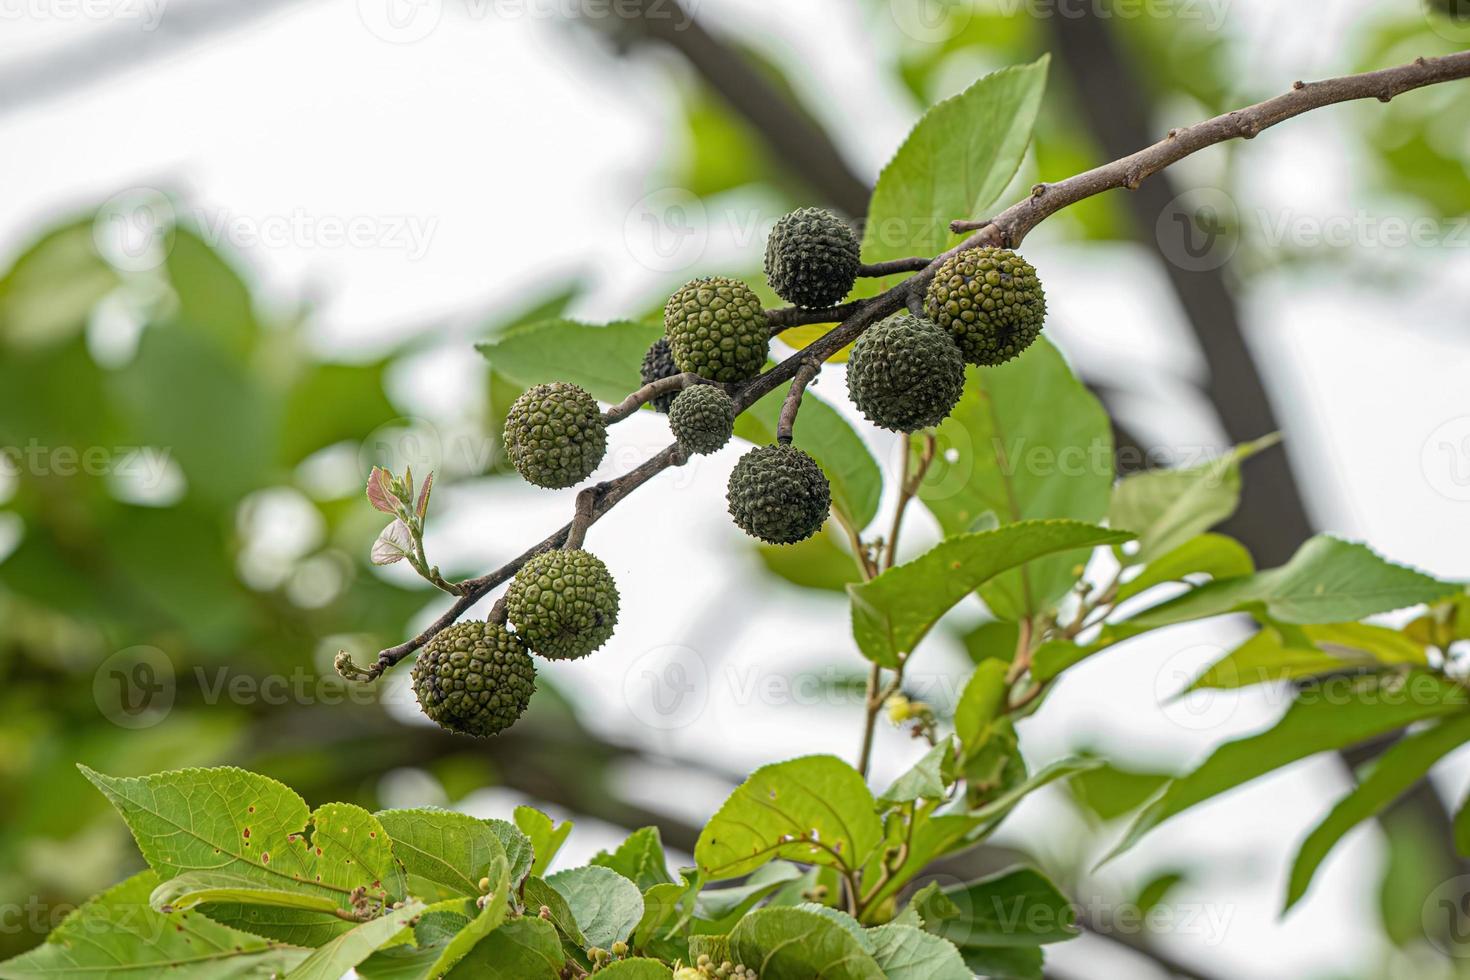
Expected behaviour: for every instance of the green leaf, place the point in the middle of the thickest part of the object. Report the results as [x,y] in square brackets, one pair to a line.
[1109,791]
[331,403]
[200,887]
[603,359]
[907,953]
[49,291]
[893,612]
[117,936]
[546,836]
[1214,555]
[1327,581]
[538,895]
[489,918]
[857,483]
[255,828]
[519,851]
[721,904]
[213,299]
[814,810]
[1027,441]
[1322,718]
[799,944]
[956,161]
[1462,828]
[520,949]
[1019,907]
[819,562]
[606,905]
[980,703]
[1005,962]
[640,859]
[925,780]
[334,959]
[453,850]
[1166,508]
[1390,776]
[997,809]
[635,969]
[1276,655]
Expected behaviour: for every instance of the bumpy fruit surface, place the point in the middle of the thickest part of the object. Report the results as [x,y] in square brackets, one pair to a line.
[717,329]
[990,300]
[778,494]
[703,418]
[658,364]
[905,373]
[812,258]
[563,604]
[555,435]
[474,678]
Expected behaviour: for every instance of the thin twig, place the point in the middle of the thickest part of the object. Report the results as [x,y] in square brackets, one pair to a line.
[796,316]
[878,270]
[1009,228]
[582,519]
[650,391]
[805,374]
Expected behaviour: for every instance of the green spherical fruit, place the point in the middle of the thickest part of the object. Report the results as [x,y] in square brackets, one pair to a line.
[778,494]
[905,373]
[563,604]
[717,329]
[474,678]
[658,364]
[990,300]
[555,435]
[703,418]
[812,258]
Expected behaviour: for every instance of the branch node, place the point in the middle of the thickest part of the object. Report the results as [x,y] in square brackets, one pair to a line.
[1298,85]
[1038,189]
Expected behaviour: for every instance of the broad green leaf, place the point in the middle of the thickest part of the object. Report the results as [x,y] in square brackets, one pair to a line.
[819,562]
[640,859]
[538,895]
[907,953]
[658,932]
[193,888]
[336,957]
[893,612]
[926,780]
[997,809]
[331,403]
[520,949]
[993,640]
[1390,776]
[1020,907]
[1005,962]
[1027,441]
[489,918]
[117,936]
[1055,656]
[1327,581]
[932,836]
[451,849]
[719,904]
[213,299]
[519,851]
[857,483]
[606,905]
[1214,555]
[980,703]
[955,162]
[546,836]
[813,810]
[1166,508]
[603,359]
[799,943]
[48,292]
[1323,717]
[1110,791]
[635,969]
[1271,655]
[254,827]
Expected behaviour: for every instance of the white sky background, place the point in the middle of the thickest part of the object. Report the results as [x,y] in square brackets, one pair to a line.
[497,154]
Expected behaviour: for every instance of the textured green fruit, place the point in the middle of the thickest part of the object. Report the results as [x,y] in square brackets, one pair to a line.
[812,258]
[778,494]
[990,300]
[717,329]
[474,678]
[905,373]
[703,418]
[555,435]
[658,364]
[563,604]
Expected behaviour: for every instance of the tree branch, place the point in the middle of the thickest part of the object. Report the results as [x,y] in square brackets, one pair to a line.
[1008,228]
[806,373]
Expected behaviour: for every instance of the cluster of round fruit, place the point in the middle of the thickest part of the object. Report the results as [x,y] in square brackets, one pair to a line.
[983,306]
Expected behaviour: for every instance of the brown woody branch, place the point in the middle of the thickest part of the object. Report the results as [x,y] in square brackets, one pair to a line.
[806,373]
[1008,228]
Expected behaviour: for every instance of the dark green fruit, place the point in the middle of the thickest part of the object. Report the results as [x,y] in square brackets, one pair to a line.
[563,604]
[905,373]
[812,258]
[778,494]
[717,329]
[703,418]
[555,435]
[658,364]
[474,678]
[1457,9]
[990,300]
